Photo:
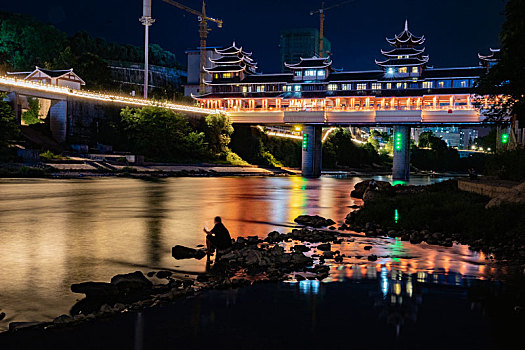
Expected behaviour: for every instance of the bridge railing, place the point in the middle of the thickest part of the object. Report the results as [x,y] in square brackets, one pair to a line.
[62,92]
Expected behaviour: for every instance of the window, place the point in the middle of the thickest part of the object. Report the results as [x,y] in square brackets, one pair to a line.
[320,73]
[309,73]
[402,69]
[346,87]
[260,88]
[284,87]
[460,83]
[390,71]
[427,85]
[399,85]
[298,73]
[332,87]
[297,87]
[443,84]
[415,70]
[216,76]
[244,89]
[361,86]
[226,75]
[389,85]
[376,86]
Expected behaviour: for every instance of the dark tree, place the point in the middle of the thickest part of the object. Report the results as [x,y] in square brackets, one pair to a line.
[508,75]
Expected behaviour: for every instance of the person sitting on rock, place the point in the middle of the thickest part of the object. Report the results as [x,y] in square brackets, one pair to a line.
[218,238]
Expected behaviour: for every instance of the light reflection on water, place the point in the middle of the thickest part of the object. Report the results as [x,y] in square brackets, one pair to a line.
[58,232]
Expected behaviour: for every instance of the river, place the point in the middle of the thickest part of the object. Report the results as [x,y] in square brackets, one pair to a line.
[57,232]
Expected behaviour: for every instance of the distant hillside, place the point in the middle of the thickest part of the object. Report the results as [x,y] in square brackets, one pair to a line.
[26,43]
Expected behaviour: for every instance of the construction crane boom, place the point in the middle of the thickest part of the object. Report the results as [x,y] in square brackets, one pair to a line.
[203,31]
[321,12]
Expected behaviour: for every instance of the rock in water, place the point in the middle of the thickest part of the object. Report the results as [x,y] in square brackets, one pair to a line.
[182,252]
[324,247]
[372,257]
[95,290]
[313,221]
[367,247]
[134,280]
[164,274]
[361,187]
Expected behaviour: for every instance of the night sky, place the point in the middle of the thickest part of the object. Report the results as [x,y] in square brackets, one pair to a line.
[456,30]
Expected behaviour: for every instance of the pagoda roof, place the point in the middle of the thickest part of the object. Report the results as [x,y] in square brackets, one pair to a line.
[406,37]
[493,57]
[395,62]
[225,68]
[313,62]
[228,60]
[232,50]
[403,51]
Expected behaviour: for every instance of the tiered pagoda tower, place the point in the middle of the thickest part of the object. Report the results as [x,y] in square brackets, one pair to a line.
[490,60]
[233,65]
[315,68]
[405,59]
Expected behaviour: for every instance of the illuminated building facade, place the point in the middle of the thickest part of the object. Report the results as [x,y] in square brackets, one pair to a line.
[403,92]
[403,80]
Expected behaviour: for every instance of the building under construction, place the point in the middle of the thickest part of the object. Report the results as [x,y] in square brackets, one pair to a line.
[304,42]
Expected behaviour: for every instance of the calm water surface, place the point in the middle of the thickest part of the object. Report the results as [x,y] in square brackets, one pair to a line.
[57,232]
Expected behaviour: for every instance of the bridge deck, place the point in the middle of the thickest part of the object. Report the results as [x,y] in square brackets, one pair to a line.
[47,91]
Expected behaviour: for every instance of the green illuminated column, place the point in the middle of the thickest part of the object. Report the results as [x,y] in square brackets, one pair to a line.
[401,164]
[312,151]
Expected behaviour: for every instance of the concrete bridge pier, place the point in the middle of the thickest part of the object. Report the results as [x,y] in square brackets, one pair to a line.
[12,97]
[58,120]
[312,151]
[401,163]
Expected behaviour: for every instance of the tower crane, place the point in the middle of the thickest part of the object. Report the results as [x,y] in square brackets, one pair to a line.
[321,11]
[203,31]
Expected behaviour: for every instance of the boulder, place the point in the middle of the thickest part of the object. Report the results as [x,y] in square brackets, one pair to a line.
[361,187]
[313,221]
[135,280]
[367,247]
[164,274]
[182,252]
[324,247]
[95,290]
[2,315]
[15,326]
[372,257]
[300,248]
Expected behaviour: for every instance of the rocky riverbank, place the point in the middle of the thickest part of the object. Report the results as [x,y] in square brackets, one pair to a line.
[250,260]
[442,215]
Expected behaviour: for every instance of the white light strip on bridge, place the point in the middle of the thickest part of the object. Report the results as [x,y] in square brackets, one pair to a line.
[103,97]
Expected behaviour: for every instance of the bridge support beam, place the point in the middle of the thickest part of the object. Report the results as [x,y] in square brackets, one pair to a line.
[15,103]
[401,163]
[312,151]
[58,120]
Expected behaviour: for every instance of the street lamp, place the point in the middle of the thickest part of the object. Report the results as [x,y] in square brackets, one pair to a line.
[146,21]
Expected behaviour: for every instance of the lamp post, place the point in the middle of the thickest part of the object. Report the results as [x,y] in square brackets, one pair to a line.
[146,21]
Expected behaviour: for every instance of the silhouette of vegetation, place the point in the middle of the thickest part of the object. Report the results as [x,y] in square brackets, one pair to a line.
[508,75]
[9,129]
[30,116]
[462,210]
[340,151]
[26,43]
[254,146]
